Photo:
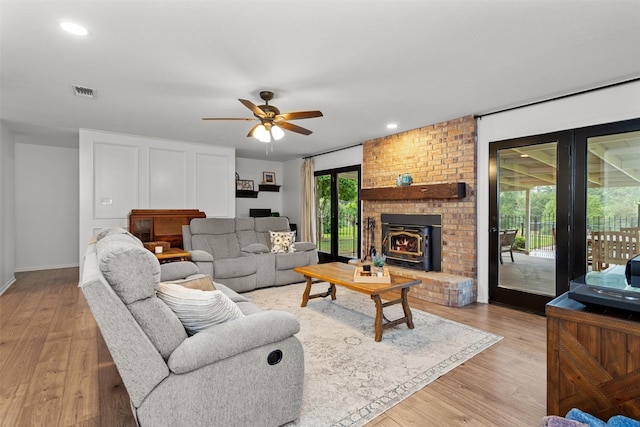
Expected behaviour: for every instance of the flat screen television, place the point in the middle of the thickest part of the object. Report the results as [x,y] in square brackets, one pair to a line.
[259,213]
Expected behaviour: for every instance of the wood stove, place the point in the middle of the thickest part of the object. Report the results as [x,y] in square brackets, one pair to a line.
[412,241]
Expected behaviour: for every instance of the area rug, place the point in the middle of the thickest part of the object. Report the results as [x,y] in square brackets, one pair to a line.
[351,379]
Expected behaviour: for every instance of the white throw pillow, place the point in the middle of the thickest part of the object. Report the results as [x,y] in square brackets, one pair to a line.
[282,241]
[197,309]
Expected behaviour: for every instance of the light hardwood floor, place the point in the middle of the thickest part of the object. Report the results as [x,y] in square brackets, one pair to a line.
[55,369]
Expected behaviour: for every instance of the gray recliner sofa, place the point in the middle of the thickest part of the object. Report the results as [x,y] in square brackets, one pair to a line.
[224,375]
[237,252]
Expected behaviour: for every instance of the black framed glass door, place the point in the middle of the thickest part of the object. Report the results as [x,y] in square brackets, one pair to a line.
[529,214]
[572,196]
[608,234]
[338,213]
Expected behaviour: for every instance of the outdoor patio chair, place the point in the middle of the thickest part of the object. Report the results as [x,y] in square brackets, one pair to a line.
[507,239]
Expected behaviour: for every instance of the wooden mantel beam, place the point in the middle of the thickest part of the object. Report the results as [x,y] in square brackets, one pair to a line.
[453,190]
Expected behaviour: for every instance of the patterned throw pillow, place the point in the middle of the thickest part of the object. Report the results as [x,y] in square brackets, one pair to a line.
[282,241]
[196,309]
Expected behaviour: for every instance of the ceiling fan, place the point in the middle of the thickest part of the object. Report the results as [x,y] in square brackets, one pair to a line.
[271,120]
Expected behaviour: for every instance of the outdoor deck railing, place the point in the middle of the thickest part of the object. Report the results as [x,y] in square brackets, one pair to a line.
[347,235]
[542,229]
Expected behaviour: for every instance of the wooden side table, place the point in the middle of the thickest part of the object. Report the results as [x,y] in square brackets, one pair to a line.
[173,254]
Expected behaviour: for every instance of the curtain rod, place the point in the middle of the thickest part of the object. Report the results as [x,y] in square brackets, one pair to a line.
[480,116]
[332,151]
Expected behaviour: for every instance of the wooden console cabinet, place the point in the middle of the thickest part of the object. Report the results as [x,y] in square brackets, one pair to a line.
[593,360]
[161,224]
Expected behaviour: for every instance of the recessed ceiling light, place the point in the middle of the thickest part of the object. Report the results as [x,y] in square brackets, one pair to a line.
[73,28]
[392,125]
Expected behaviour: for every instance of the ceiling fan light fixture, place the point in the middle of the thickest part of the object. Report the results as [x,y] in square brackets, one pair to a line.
[261,134]
[277,133]
[267,133]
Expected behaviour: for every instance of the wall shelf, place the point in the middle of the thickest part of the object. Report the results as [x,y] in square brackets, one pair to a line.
[453,190]
[269,187]
[247,194]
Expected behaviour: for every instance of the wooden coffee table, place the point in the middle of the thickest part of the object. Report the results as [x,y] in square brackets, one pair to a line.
[337,273]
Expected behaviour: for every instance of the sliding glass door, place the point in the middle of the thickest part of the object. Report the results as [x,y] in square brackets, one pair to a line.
[562,205]
[611,230]
[338,213]
[527,214]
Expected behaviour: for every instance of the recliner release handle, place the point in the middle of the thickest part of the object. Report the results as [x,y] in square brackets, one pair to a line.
[274,357]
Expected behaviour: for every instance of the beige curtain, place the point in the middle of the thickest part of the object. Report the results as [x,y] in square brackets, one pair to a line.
[307,229]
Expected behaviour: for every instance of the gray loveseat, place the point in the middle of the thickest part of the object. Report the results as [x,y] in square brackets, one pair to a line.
[237,252]
[221,376]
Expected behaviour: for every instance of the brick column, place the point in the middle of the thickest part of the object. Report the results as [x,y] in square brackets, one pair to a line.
[440,153]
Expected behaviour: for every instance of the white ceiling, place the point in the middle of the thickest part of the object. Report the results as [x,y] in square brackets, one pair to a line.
[160,66]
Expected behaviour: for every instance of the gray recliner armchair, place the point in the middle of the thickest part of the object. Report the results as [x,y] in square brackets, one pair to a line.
[244,372]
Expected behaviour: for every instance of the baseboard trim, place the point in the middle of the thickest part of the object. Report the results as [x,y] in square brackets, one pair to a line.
[47,267]
[4,287]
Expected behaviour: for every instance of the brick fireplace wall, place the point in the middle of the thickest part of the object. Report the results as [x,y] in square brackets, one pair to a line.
[440,153]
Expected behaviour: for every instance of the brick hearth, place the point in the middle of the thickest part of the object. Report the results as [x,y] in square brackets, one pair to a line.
[441,153]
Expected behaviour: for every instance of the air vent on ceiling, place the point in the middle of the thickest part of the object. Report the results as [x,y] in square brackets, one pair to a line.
[86,92]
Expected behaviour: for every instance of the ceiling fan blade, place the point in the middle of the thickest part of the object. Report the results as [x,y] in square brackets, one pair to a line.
[227,118]
[254,108]
[294,128]
[296,115]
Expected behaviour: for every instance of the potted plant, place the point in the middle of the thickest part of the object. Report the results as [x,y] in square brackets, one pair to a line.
[378,262]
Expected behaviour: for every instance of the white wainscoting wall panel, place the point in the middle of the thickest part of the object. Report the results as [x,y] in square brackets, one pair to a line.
[115,180]
[168,183]
[120,172]
[211,171]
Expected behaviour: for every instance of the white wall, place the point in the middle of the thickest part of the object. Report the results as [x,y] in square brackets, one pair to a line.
[46,206]
[338,159]
[119,173]
[252,169]
[597,107]
[7,202]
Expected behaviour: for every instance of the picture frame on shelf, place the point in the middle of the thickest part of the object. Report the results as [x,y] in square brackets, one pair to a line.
[244,184]
[269,178]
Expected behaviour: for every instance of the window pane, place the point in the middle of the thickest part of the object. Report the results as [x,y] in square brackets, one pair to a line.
[527,218]
[323,213]
[348,214]
[613,200]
